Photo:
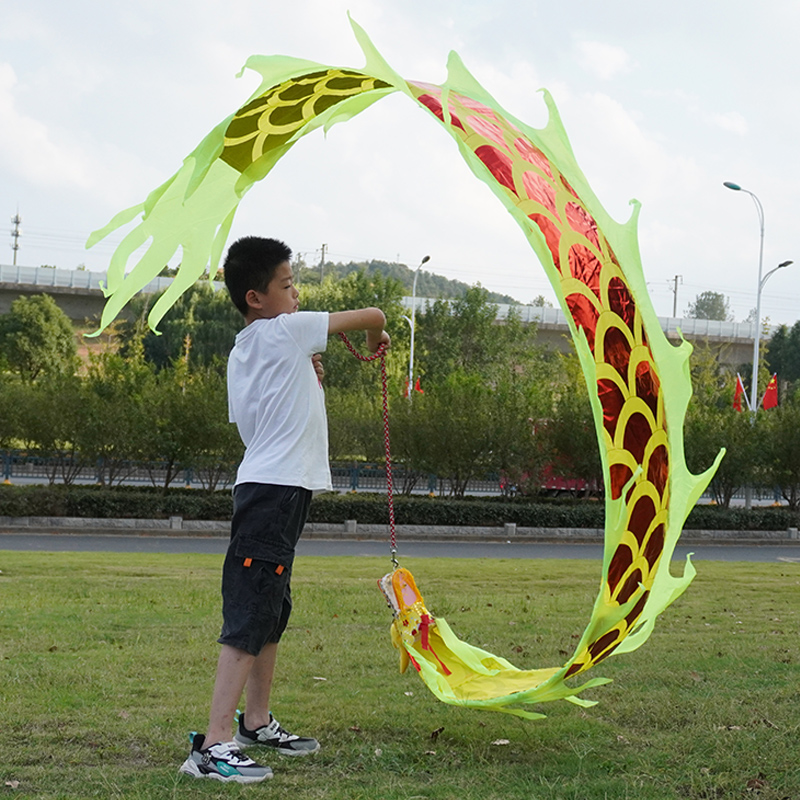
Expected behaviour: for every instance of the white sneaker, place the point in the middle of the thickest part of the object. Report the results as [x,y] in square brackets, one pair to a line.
[274,736]
[223,761]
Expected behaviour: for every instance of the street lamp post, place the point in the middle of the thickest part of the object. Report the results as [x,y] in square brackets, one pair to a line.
[757,337]
[753,404]
[425,260]
[761,281]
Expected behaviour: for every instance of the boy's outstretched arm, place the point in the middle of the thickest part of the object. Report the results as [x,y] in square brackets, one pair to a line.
[371,320]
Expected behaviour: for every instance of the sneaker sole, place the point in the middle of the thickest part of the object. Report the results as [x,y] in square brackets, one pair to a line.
[192,770]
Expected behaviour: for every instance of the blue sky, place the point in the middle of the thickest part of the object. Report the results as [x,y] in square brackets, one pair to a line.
[99,103]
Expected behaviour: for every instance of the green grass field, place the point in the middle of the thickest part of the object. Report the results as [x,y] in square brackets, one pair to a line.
[107,662]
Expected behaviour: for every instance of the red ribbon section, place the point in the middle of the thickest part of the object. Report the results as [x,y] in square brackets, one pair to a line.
[424,640]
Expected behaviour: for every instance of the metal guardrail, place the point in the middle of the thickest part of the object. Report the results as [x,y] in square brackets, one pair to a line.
[691,328]
[87,279]
[31,467]
[27,467]
[48,277]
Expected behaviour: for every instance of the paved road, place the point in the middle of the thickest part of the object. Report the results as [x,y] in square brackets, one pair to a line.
[45,542]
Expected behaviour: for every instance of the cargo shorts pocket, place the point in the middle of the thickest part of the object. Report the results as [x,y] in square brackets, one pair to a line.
[267,523]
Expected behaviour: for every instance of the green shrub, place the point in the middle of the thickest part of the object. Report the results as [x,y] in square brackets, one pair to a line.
[740,519]
[119,502]
[150,503]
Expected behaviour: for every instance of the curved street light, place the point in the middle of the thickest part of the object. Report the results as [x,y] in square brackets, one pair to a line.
[761,281]
[753,404]
[757,336]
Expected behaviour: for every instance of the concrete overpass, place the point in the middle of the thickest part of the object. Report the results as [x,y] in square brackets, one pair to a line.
[79,294]
[732,341]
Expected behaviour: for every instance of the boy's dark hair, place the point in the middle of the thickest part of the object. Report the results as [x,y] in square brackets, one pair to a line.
[250,264]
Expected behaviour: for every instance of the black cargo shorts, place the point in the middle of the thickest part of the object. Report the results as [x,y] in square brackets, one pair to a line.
[256,592]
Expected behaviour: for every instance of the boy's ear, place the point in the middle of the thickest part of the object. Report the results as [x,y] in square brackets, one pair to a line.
[253,299]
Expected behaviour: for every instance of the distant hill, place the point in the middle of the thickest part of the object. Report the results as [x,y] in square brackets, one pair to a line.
[428,283]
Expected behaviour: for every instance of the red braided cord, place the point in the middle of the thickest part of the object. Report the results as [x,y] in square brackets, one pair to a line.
[381,354]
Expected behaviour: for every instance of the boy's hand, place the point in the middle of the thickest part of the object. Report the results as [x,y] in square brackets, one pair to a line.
[375,339]
[316,362]
[372,320]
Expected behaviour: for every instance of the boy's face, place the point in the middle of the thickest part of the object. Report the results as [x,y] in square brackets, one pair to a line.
[280,297]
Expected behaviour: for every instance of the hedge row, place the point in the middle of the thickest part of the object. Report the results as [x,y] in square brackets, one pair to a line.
[147,503]
[120,502]
[542,514]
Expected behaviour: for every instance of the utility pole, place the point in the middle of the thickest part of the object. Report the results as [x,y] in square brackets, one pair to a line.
[15,234]
[675,295]
[322,264]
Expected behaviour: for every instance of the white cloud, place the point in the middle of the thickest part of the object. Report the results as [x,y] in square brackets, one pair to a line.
[731,121]
[92,117]
[26,144]
[50,160]
[22,25]
[605,61]
[515,88]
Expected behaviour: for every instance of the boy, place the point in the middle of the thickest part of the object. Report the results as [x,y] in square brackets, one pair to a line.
[275,398]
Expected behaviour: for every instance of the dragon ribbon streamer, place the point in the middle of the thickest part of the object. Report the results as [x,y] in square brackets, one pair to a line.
[638,382]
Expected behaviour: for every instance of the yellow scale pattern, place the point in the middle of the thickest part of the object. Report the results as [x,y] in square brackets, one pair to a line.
[271,119]
[591,281]
[597,295]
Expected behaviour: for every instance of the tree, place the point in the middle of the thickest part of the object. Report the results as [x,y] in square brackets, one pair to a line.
[486,385]
[428,283]
[172,419]
[710,305]
[711,424]
[14,396]
[173,433]
[411,443]
[449,430]
[708,429]
[36,336]
[781,448]
[520,401]
[359,290]
[202,318]
[213,449]
[355,428]
[457,334]
[783,355]
[713,384]
[52,420]
[464,334]
[466,426]
[116,391]
[569,436]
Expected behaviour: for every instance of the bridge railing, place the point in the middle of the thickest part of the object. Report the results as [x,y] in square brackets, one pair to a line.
[49,277]
[542,315]
[21,467]
[31,467]
[691,328]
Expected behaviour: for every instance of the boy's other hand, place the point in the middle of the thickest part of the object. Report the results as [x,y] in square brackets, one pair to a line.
[375,339]
[316,362]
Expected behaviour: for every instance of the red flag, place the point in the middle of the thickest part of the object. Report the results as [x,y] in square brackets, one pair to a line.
[418,388]
[737,395]
[405,389]
[771,395]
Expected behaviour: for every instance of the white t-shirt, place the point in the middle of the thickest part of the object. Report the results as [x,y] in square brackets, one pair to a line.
[277,401]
